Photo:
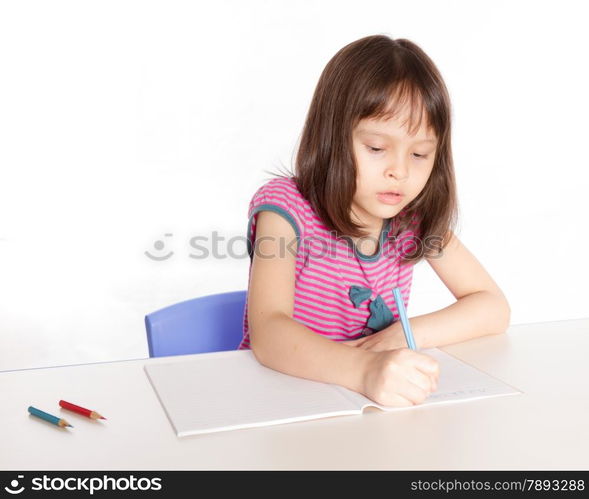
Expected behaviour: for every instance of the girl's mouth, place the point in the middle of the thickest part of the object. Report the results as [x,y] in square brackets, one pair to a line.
[389,197]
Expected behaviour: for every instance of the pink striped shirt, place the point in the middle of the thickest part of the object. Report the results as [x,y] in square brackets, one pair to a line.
[328,267]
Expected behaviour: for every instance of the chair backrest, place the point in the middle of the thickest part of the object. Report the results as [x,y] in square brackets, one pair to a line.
[206,324]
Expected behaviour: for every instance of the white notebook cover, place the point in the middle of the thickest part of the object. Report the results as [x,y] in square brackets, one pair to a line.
[229,390]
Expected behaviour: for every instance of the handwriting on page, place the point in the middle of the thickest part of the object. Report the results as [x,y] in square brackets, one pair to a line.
[459,393]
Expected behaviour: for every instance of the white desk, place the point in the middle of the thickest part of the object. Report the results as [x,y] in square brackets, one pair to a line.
[545,428]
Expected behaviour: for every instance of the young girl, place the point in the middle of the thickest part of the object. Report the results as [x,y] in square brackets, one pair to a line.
[373,194]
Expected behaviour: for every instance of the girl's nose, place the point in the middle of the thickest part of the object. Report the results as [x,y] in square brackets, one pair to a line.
[397,170]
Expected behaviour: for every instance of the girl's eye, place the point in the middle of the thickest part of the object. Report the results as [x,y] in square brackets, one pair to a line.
[376,150]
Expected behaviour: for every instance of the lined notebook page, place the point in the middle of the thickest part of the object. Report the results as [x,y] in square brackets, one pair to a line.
[229,390]
[460,381]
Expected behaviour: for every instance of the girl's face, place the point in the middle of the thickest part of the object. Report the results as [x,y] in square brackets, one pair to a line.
[389,160]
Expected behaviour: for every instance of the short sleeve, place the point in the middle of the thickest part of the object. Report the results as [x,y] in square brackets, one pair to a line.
[280,196]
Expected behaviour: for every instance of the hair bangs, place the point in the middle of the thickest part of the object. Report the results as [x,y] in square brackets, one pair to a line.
[404,99]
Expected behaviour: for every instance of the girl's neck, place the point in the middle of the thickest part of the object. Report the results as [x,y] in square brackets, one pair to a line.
[369,245]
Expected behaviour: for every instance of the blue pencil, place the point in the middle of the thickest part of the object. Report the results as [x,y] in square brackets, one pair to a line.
[404,319]
[48,417]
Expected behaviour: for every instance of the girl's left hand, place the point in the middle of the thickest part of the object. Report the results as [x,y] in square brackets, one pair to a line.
[390,338]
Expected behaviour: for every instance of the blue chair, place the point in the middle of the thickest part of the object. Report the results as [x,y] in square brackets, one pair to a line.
[210,323]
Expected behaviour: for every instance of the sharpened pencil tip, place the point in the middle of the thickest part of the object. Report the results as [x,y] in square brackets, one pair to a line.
[102,417]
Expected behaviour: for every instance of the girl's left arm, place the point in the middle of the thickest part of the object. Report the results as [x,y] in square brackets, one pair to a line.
[481,307]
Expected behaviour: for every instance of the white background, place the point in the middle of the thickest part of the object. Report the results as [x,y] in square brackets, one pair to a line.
[123,121]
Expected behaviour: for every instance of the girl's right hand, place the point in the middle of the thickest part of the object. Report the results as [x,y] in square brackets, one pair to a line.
[400,378]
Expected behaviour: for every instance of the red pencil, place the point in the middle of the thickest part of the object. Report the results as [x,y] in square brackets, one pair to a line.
[80,410]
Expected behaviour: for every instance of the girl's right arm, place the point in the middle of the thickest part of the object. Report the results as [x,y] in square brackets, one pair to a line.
[395,377]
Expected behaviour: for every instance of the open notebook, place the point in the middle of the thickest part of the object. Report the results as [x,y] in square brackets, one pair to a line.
[229,390]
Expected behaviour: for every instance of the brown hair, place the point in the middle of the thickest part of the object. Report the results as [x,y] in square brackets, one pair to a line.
[374,77]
